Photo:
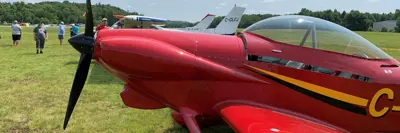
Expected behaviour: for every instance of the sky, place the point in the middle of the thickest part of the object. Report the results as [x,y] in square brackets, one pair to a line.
[194,10]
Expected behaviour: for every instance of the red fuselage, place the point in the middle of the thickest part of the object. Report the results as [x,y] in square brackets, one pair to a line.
[206,72]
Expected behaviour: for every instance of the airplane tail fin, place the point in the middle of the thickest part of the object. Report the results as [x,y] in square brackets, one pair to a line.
[205,22]
[230,23]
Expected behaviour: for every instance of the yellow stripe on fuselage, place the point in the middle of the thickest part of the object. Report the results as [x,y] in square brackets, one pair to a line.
[319,89]
[396,108]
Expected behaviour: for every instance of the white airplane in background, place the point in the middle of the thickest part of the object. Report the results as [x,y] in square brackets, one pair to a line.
[230,23]
[199,27]
[227,26]
[134,21]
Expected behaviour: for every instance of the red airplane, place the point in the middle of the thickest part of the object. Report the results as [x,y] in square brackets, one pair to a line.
[262,80]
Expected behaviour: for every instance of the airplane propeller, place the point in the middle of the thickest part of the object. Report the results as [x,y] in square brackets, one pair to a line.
[84,44]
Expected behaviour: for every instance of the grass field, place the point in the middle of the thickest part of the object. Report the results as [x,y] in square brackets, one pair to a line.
[34,90]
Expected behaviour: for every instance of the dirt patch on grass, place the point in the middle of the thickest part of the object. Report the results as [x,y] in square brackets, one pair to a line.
[18,126]
[26,80]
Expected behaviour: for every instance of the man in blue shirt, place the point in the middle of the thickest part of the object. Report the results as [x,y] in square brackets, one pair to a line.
[40,36]
[61,32]
[74,30]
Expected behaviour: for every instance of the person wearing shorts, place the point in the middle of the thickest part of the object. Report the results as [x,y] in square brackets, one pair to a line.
[61,32]
[16,33]
[40,36]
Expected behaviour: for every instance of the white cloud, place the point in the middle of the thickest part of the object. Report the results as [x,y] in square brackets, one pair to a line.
[270,1]
[372,1]
[243,5]
[152,4]
[251,11]
[222,4]
[264,11]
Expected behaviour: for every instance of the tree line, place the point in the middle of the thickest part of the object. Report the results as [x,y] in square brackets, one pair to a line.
[54,12]
[71,12]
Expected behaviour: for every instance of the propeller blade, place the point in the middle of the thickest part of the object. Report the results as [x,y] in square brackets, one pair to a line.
[84,44]
[78,84]
[89,20]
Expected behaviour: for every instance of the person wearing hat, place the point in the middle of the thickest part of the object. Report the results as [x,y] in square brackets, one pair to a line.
[71,33]
[74,30]
[61,32]
[16,32]
[40,35]
[102,25]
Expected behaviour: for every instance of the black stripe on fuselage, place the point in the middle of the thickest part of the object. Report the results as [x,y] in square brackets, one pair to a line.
[229,34]
[328,100]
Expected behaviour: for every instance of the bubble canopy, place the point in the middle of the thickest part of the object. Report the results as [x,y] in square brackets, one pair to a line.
[316,33]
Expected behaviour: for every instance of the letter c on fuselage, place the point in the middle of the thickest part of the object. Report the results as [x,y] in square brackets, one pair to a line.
[375,99]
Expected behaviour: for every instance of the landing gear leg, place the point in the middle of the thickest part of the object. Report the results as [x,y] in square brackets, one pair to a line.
[187,118]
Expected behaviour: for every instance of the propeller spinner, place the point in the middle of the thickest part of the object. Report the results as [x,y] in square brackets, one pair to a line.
[84,44]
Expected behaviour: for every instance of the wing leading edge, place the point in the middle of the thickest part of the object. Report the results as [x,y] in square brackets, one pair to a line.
[249,119]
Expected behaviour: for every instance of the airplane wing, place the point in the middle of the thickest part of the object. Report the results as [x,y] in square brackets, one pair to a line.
[249,119]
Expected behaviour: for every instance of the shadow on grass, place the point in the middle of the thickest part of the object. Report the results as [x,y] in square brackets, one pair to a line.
[30,53]
[6,45]
[76,62]
[214,129]
[63,55]
[218,129]
[100,76]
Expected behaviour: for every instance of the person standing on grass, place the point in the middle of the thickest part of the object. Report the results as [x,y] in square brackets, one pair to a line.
[61,32]
[40,36]
[74,30]
[16,32]
[102,25]
[71,33]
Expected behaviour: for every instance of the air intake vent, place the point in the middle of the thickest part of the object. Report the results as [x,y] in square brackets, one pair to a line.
[390,65]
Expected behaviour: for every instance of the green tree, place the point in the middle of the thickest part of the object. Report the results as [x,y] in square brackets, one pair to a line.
[357,21]
[384,29]
[397,28]
[54,12]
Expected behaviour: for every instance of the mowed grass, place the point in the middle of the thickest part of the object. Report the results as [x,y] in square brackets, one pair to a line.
[34,90]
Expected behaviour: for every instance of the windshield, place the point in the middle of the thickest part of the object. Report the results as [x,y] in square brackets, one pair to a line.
[157,27]
[316,33]
[118,25]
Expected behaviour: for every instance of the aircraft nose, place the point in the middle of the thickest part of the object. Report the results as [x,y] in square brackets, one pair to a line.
[144,57]
[82,43]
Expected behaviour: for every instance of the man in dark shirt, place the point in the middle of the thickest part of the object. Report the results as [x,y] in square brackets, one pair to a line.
[40,36]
